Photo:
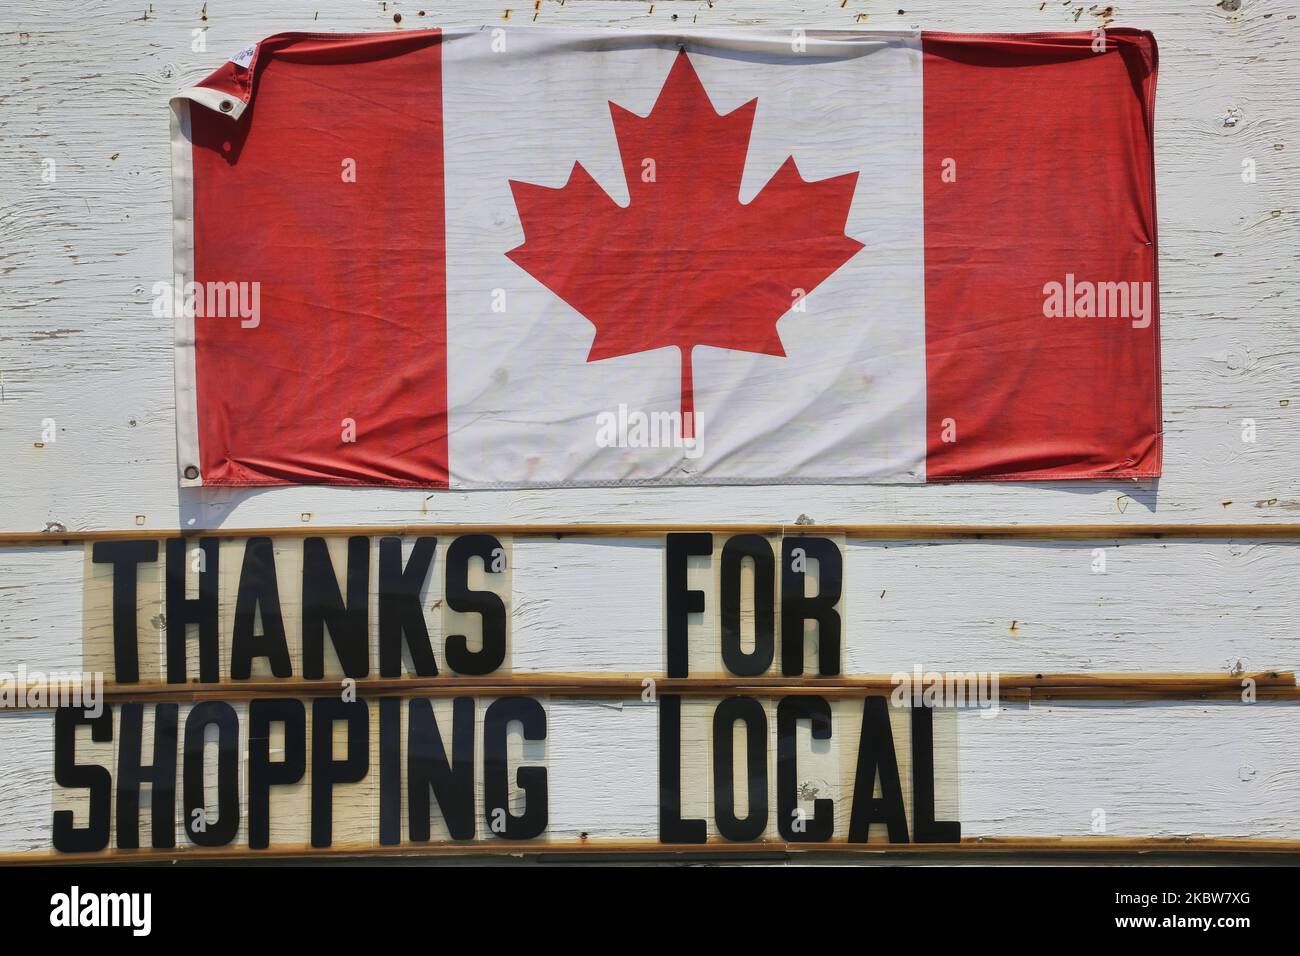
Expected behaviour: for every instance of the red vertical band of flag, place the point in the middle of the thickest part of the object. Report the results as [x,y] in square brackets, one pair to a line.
[352,269]
[1038,166]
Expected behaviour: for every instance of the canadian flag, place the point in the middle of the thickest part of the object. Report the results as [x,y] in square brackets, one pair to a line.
[526,257]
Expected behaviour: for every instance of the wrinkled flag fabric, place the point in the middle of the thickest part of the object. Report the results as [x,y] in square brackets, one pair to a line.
[537,258]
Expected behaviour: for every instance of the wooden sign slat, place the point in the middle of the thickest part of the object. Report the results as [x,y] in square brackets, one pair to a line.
[1284,531]
[1268,685]
[1063,776]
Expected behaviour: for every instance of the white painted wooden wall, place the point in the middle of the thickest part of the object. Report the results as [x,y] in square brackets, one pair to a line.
[85,85]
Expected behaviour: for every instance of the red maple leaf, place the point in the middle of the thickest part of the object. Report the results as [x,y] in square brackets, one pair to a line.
[685,263]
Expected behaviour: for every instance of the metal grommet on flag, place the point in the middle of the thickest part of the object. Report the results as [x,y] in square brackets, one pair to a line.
[227,106]
[191,472]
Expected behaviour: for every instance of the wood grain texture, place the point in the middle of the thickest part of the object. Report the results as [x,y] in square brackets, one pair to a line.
[596,606]
[85,85]
[977,850]
[1173,772]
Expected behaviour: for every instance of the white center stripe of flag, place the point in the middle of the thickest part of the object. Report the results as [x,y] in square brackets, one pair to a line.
[847,400]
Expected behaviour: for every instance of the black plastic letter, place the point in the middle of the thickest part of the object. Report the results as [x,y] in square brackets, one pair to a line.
[221,831]
[682,601]
[531,780]
[750,713]
[323,605]
[486,604]
[796,608]
[326,771]
[183,611]
[755,547]
[400,613]
[876,755]
[160,774]
[788,712]
[672,828]
[263,773]
[452,781]
[124,556]
[258,588]
[93,777]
